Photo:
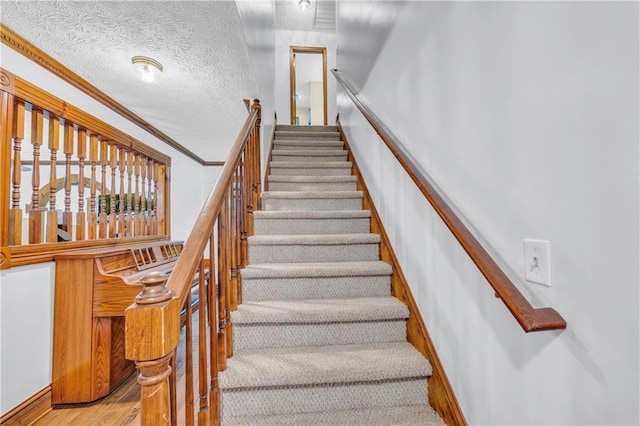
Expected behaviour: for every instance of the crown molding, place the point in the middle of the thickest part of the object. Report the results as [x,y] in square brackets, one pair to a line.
[33,53]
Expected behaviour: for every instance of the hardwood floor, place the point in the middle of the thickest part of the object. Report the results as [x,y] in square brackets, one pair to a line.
[122,406]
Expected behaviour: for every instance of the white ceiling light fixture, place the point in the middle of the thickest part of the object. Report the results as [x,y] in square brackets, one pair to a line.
[147,69]
[304,4]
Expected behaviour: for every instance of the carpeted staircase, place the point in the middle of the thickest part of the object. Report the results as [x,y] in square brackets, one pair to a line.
[318,339]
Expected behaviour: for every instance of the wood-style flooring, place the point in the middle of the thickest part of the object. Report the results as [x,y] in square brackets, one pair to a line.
[122,406]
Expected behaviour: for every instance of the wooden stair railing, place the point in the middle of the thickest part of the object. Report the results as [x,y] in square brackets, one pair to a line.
[529,317]
[213,253]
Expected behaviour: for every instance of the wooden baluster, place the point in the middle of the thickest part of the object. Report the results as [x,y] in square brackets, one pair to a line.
[121,201]
[229,283]
[152,333]
[239,220]
[104,160]
[81,216]
[245,198]
[93,159]
[150,169]
[257,205]
[67,215]
[136,196]
[129,196]
[35,214]
[113,217]
[142,219]
[223,279]
[188,362]
[203,371]
[54,143]
[233,229]
[15,214]
[214,345]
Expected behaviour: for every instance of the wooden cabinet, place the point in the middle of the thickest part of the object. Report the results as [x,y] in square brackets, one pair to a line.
[92,290]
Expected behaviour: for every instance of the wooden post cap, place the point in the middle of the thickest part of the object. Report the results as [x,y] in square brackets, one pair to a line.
[153,289]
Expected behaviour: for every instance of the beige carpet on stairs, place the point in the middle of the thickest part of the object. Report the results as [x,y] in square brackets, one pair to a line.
[318,339]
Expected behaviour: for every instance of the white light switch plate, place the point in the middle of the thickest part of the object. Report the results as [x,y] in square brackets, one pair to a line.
[537,262]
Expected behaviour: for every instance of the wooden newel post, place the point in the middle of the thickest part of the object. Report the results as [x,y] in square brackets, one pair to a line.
[152,332]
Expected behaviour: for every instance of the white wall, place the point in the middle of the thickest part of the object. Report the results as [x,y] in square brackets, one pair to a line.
[527,115]
[286,39]
[26,293]
[258,21]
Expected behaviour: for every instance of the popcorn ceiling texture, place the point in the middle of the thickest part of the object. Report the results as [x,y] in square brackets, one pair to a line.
[201,45]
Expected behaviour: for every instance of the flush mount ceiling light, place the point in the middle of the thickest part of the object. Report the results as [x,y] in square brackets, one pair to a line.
[147,69]
[304,4]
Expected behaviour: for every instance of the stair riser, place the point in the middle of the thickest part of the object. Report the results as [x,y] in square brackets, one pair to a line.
[312,204]
[268,401]
[311,226]
[319,145]
[309,159]
[307,135]
[287,335]
[310,171]
[259,289]
[299,253]
[312,186]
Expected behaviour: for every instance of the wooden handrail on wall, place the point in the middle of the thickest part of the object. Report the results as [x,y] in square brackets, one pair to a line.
[212,256]
[529,317]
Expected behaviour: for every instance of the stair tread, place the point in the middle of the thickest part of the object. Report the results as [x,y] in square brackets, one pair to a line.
[305,133]
[316,269]
[312,194]
[418,415]
[323,365]
[314,128]
[309,152]
[314,239]
[307,179]
[320,310]
[306,165]
[309,214]
[310,142]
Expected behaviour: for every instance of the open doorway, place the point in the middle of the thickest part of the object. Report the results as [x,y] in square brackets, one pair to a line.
[308,85]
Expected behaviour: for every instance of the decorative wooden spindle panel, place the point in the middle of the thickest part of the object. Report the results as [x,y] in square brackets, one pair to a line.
[122,155]
[35,214]
[54,143]
[113,165]
[35,222]
[81,152]
[15,213]
[104,160]
[93,159]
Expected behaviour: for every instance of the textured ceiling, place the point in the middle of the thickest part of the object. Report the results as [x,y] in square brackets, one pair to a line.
[201,45]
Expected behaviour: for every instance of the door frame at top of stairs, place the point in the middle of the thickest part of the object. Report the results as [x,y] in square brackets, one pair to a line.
[292,77]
